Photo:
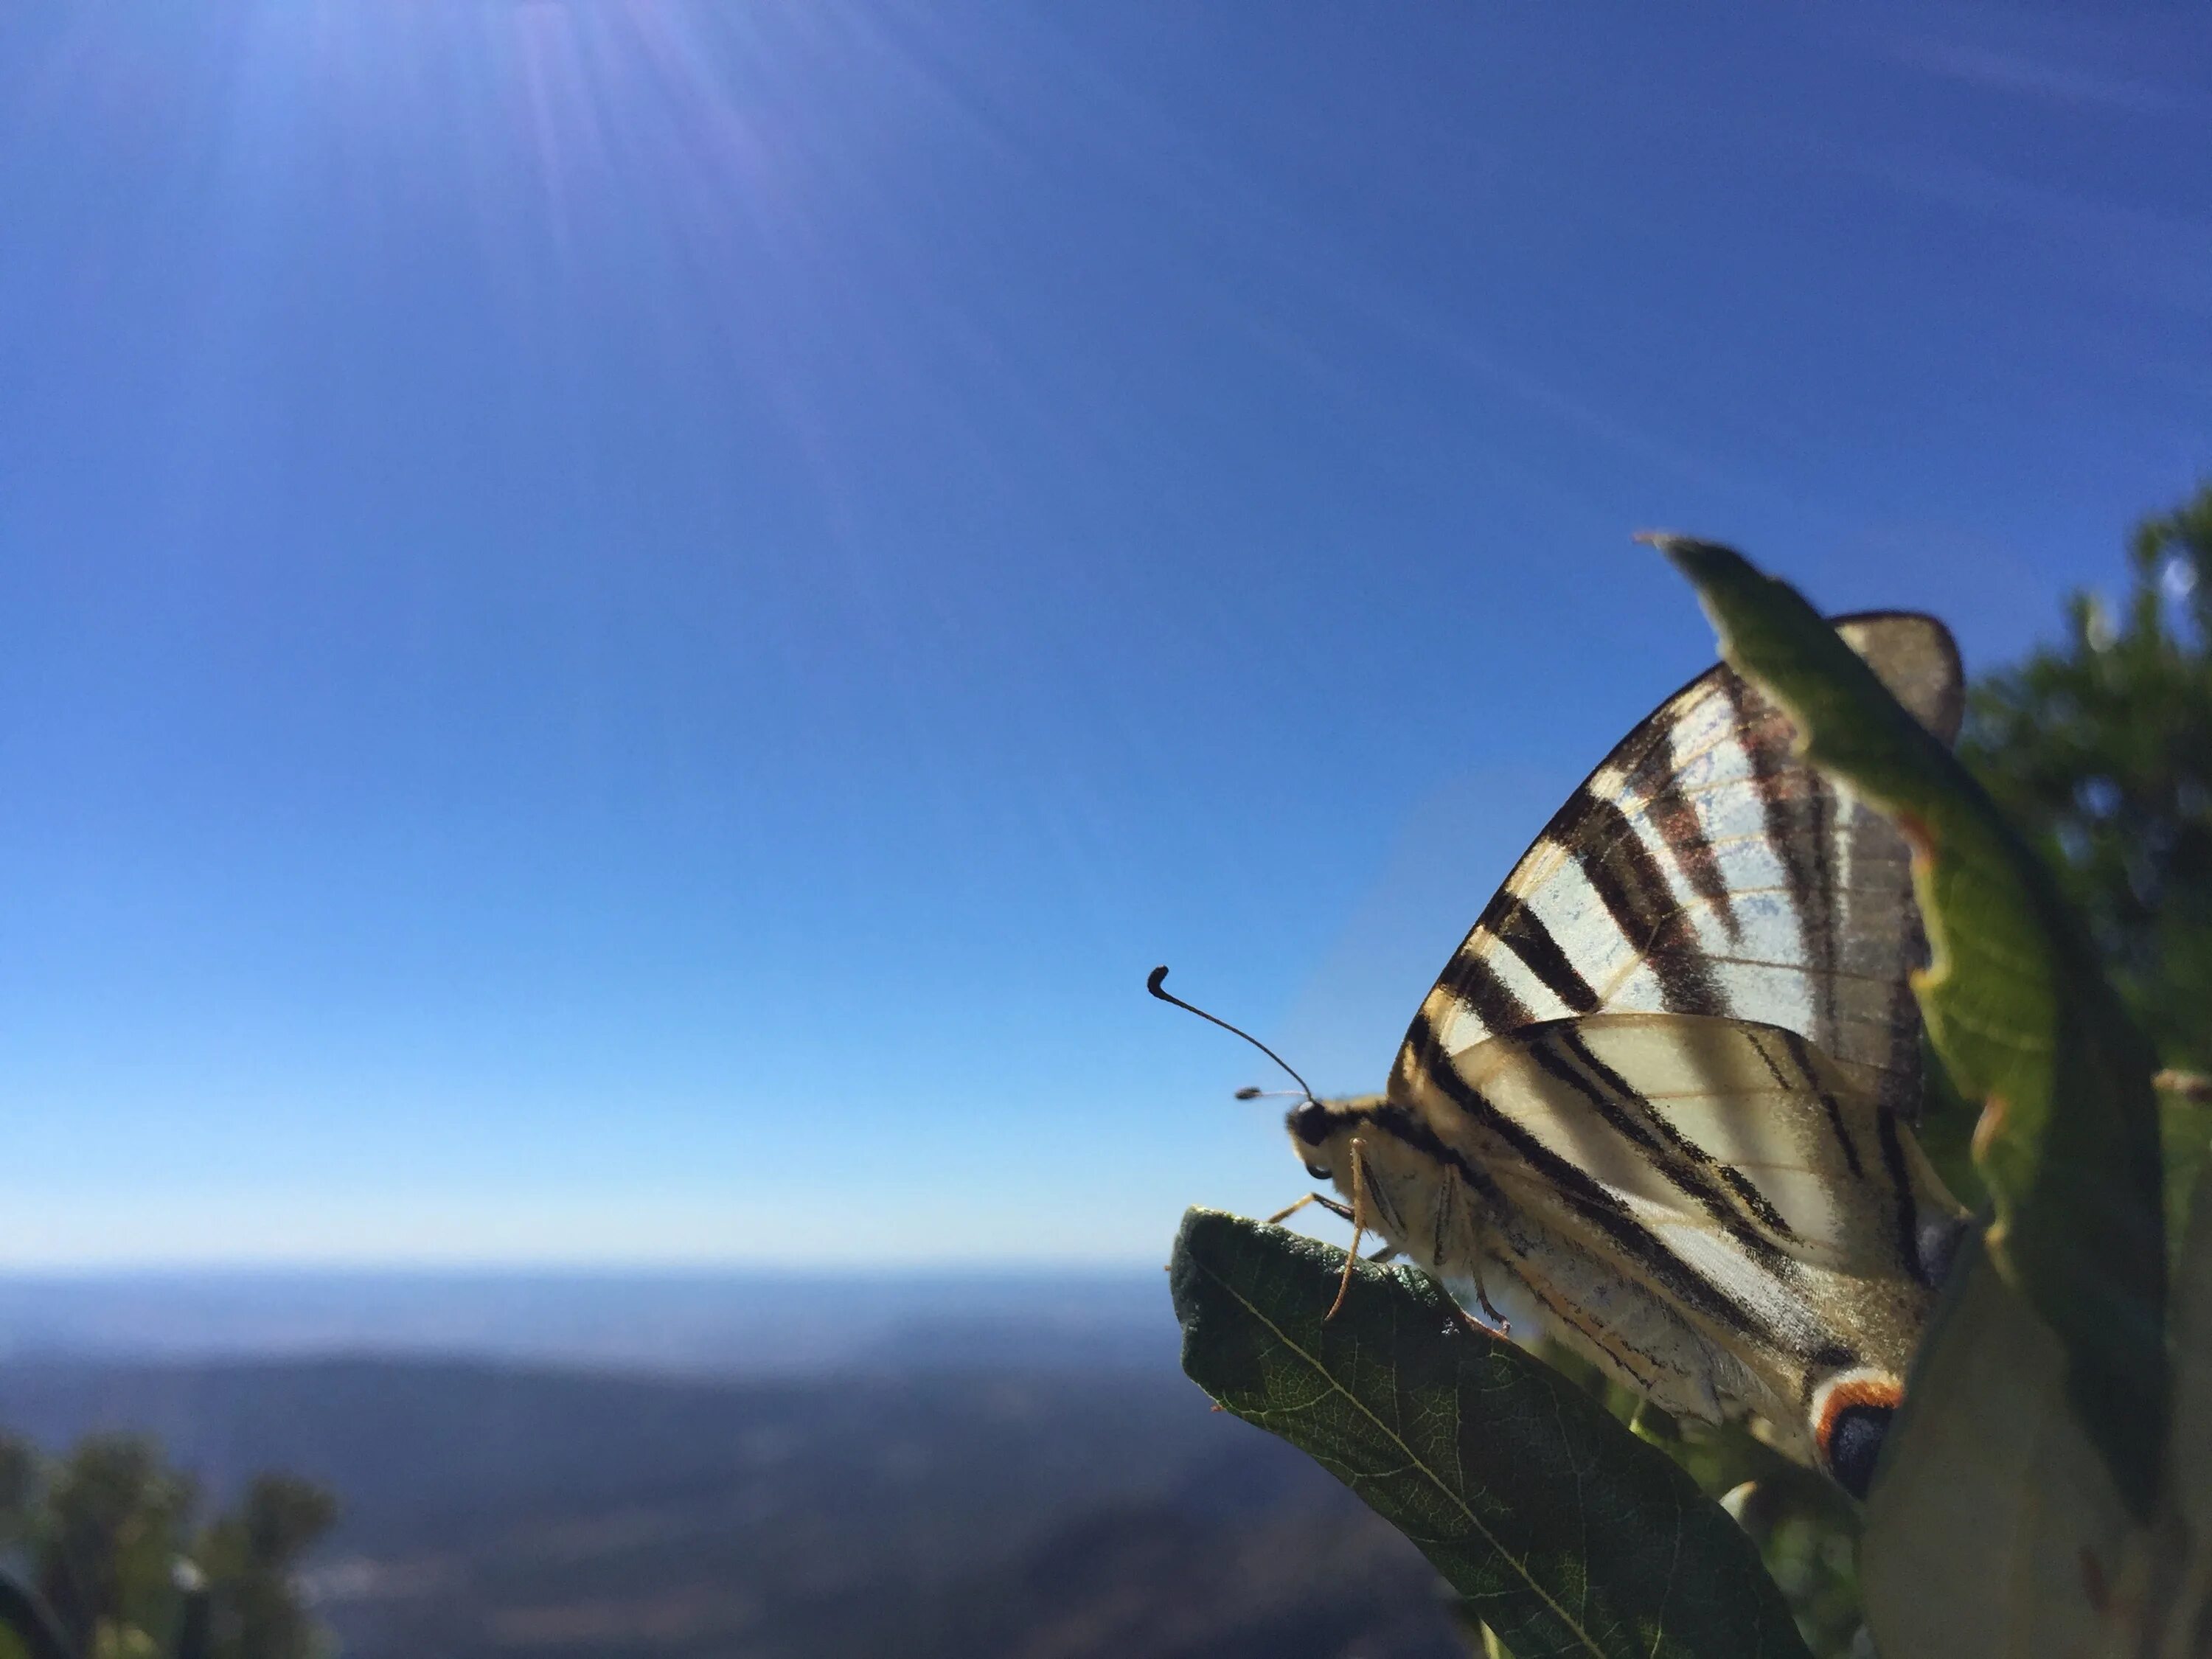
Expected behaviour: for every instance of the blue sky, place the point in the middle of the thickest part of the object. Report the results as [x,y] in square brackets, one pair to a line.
[625,626]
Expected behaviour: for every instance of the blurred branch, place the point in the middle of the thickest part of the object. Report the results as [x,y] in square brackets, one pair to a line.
[22,1613]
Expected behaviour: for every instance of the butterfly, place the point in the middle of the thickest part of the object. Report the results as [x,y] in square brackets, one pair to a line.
[1665,1089]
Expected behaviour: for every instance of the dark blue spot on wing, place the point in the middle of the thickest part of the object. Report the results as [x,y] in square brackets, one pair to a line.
[1855,1438]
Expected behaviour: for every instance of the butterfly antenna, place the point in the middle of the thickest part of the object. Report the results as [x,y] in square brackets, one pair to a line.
[1156,983]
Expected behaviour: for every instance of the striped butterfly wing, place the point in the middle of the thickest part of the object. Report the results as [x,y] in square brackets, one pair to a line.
[1677,1136]
[1703,869]
[1709,1208]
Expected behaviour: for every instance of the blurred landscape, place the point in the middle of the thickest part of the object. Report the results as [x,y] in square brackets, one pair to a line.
[613,1464]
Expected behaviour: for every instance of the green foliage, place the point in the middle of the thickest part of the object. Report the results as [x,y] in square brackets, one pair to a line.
[27,1628]
[1565,1534]
[2100,749]
[18,1489]
[2002,1536]
[1805,1527]
[1995,1523]
[2186,1571]
[121,1572]
[2014,1001]
[115,1522]
[249,1558]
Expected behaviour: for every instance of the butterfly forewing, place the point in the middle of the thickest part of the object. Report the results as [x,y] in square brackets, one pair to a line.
[1703,869]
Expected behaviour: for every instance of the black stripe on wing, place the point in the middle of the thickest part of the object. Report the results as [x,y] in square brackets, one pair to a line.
[1656,780]
[1688,1165]
[1470,980]
[1636,894]
[1518,928]
[1596,1206]
[1799,808]
[1703,869]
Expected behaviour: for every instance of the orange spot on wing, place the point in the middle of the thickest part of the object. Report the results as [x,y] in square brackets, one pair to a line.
[1877,1390]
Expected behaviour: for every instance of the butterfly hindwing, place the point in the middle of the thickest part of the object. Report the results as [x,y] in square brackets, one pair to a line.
[1713,1126]
[1710,1208]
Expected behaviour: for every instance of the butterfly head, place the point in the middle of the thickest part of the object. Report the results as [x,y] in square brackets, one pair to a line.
[1315,1132]
[1317,1135]
[1321,1132]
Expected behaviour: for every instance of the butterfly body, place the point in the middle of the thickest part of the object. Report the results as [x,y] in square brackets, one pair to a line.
[1665,1086]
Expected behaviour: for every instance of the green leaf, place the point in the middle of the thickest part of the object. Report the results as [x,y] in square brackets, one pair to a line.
[2189,1617]
[1994,1530]
[2016,1004]
[2184,1133]
[1566,1534]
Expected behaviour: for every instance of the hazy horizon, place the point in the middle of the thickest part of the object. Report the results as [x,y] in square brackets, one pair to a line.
[689,1322]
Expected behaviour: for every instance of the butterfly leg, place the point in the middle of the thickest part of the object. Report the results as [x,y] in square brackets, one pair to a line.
[1468,1322]
[1502,1326]
[1358,1230]
[1322,1198]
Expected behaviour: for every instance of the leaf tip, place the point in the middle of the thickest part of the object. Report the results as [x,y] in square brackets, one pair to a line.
[1696,558]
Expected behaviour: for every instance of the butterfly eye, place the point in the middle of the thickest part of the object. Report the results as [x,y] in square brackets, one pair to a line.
[1310,1123]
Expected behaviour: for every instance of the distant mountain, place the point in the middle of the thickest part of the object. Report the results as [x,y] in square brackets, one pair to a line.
[530,1513]
[716,1323]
